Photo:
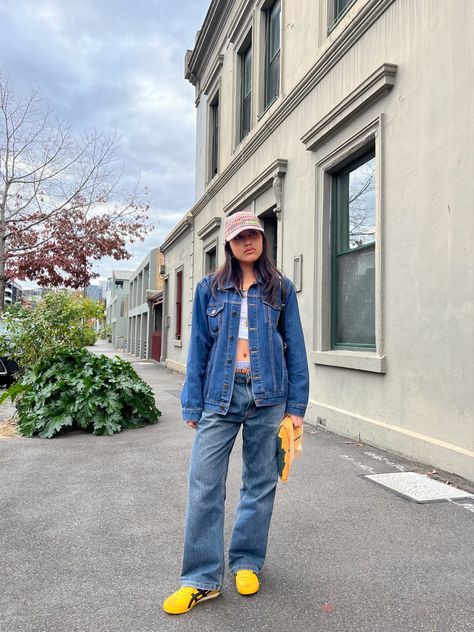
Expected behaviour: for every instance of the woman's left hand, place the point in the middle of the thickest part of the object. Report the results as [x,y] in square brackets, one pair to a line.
[297,421]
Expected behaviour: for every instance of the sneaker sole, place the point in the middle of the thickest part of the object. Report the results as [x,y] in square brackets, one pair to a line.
[197,603]
[248,592]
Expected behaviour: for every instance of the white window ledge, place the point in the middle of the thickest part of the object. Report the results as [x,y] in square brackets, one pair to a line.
[178,343]
[359,360]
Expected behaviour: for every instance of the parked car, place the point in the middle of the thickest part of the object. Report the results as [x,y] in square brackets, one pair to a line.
[8,367]
[8,370]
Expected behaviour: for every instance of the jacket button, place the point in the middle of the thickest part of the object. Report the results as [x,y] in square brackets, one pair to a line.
[231,338]
[226,386]
[234,313]
[229,361]
[222,407]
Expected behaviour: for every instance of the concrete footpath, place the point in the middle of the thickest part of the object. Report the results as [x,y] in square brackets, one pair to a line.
[91,537]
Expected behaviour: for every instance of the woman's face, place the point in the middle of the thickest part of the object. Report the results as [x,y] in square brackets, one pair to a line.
[247,246]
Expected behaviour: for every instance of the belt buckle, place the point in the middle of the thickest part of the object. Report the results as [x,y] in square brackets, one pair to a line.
[245,371]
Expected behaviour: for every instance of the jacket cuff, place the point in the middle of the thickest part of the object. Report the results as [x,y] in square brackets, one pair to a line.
[294,408]
[191,414]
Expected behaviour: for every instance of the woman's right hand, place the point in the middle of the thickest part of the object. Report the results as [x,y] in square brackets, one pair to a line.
[192,424]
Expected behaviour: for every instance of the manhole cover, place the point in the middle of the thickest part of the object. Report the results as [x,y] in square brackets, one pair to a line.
[418,487]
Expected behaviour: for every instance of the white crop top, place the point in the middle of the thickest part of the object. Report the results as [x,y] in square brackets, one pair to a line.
[243,324]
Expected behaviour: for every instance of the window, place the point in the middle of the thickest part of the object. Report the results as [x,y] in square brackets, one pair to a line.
[353,254]
[179,304]
[214,136]
[245,58]
[124,307]
[272,53]
[340,7]
[211,260]
[271,233]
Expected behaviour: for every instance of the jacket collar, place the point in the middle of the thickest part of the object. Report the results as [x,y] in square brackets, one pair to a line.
[230,286]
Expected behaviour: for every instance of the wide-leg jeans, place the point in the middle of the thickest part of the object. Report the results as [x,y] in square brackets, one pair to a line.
[203,559]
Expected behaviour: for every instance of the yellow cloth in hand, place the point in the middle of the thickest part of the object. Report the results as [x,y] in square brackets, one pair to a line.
[289,443]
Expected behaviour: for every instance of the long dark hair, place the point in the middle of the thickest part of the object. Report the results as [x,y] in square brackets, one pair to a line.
[231,272]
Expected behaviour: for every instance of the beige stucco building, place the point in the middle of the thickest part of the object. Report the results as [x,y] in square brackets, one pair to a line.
[145,306]
[117,300]
[347,126]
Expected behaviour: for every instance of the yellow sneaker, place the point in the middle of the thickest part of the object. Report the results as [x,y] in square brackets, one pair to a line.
[186,598]
[247,582]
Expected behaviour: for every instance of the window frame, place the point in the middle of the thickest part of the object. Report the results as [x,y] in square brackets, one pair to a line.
[336,13]
[269,99]
[213,136]
[179,305]
[356,160]
[246,49]
[209,246]
[340,149]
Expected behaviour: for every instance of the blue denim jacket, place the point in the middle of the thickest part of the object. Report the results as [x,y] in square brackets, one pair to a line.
[213,348]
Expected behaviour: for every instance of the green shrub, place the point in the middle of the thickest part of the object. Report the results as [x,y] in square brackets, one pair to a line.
[90,336]
[104,333]
[79,389]
[59,321]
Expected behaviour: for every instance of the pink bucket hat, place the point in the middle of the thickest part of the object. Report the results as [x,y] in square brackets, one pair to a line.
[236,223]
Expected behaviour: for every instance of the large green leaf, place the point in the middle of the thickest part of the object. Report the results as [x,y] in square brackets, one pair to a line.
[74,387]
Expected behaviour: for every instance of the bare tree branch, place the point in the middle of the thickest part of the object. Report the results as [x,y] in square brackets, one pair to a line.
[59,202]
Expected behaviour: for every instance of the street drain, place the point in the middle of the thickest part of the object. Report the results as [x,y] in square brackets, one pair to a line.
[418,487]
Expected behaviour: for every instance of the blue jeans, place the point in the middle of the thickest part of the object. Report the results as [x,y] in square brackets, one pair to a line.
[203,560]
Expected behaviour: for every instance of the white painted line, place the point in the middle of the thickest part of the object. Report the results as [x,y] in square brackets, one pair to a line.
[362,466]
[382,459]
[469,506]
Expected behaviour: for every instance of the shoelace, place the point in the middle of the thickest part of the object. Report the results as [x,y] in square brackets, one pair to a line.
[196,596]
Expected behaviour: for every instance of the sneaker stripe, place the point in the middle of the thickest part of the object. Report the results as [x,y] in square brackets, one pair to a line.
[197,596]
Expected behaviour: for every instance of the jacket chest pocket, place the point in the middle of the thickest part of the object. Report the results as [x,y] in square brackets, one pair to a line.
[271,313]
[215,313]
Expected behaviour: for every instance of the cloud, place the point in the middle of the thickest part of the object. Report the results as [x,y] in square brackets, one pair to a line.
[116,66]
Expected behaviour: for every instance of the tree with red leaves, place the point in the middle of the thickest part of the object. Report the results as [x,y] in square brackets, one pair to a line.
[61,207]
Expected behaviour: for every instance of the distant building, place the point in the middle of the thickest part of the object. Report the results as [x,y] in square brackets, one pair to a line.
[35,294]
[117,306]
[95,292]
[145,307]
[13,293]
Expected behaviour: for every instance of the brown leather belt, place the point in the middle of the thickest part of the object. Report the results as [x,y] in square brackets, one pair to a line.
[246,370]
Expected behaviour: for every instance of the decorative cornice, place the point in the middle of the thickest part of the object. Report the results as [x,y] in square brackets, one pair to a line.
[184,225]
[374,88]
[210,227]
[361,23]
[238,23]
[207,38]
[153,295]
[258,185]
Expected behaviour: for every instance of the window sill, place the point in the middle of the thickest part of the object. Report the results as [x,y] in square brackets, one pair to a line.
[178,343]
[359,360]
[270,107]
[338,19]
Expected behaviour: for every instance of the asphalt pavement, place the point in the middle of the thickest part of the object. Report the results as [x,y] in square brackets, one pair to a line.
[91,532]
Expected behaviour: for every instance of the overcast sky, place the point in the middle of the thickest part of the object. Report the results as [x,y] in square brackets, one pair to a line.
[116,65]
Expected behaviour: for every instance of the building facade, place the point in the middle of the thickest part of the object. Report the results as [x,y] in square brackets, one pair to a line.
[346,126]
[116,311]
[144,307]
[13,293]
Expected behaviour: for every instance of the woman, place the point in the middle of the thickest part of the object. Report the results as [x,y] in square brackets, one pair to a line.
[241,371]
